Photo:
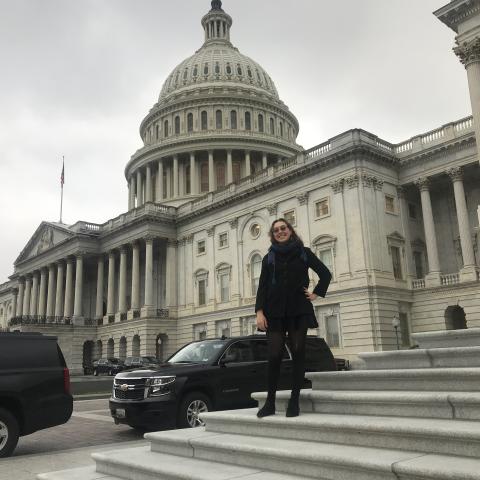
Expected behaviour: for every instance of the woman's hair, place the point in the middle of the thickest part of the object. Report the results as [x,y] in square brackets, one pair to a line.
[294,236]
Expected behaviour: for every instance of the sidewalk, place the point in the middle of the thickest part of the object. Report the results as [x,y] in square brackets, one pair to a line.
[27,467]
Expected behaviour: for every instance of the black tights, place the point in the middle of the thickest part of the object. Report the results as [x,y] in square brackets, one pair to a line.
[276,341]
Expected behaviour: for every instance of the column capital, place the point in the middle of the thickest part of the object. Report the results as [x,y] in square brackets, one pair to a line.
[377,184]
[455,173]
[423,183]
[352,181]
[302,198]
[123,249]
[149,238]
[189,238]
[368,180]
[172,242]
[337,185]
[272,208]
[211,231]
[468,52]
[233,223]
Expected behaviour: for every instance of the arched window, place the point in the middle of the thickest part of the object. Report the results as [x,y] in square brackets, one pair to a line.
[255,269]
[239,70]
[177,125]
[281,129]
[204,120]
[219,119]
[233,119]
[272,126]
[195,71]
[204,177]
[205,69]
[248,121]
[220,170]
[165,128]
[217,68]
[249,72]
[261,127]
[185,74]
[190,122]
[229,69]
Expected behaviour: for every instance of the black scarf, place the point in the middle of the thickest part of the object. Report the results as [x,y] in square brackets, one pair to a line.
[284,249]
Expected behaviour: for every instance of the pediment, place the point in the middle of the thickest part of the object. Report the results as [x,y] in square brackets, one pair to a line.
[45,237]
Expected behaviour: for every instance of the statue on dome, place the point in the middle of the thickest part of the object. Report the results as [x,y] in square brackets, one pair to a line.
[216,4]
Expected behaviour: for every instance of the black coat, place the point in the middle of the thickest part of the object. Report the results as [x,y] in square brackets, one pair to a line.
[286,297]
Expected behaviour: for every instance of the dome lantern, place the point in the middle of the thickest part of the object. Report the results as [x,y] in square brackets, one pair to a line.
[216,24]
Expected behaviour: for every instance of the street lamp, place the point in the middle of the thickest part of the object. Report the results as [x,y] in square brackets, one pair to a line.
[396,324]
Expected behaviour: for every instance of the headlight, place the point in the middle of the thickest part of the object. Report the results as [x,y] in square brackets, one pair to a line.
[160,385]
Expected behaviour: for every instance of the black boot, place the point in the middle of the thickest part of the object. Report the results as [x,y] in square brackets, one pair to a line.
[293,408]
[268,409]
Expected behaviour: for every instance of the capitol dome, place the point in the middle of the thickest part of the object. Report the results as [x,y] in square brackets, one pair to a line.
[218,120]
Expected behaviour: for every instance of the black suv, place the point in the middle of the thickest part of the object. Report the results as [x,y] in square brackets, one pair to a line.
[217,374]
[141,362]
[110,366]
[34,387]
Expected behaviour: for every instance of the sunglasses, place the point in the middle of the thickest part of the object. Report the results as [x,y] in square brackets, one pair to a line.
[279,229]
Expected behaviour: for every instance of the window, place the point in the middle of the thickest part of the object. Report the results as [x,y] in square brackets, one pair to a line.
[200,331]
[157,133]
[249,325]
[332,331]
[404,329]
[249,72]
[255,269]
[177,125]
[239,70]
[222,328]
[396,262]
[220,171]
[248,121]
[255,230]
[204,177]
[272,126]
[329,326]
[195,71]
[389,204]
[223,240]
[236,171]
[224,282]
[204,118]
[322,207]
[185,74]
[418,260]
[188,186]
[202,292]
[229,69]
[326,256]
[412,211]
[219,119]
[239,352]
[165,128]
[217,68]
[201,247]
[233,120]
[324,248]
[205,69]
[190,122]
[290,217]
[261,127]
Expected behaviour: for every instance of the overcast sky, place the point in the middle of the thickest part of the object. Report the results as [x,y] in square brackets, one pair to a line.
[78,76]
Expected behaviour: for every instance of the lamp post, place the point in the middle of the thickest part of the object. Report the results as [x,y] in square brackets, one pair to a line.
[396,324]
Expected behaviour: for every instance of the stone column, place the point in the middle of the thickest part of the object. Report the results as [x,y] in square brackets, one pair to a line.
[433,277]
[139,189]
[169,181]
[148,184]
[264,161]
[34,295]
[233,239]
[229,167]
[403,209]
[159,189]
[122,290]
[100,282]
[59,298]
[248,168]
[469,270]
[51,291]
[67,310]
[26,298]
[77,309]
[175,176]
[42,301]
[111,284]
[135,276]
[21,295]
[171,275]
[131,191]
[211,172]
[147,309]
[14,303]
[193,175]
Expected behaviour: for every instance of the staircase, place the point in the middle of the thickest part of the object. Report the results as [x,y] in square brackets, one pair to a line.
[408,415]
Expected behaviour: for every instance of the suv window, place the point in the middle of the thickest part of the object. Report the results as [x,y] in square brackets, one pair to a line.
[198,352]
[260,350]
[238,352]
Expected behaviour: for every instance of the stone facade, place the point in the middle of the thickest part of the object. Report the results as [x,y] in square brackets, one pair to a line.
[396,223]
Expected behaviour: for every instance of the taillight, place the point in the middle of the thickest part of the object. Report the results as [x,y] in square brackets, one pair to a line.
[66,380]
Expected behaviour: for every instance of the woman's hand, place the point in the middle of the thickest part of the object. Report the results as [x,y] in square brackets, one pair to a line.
[261,321]
[310,296]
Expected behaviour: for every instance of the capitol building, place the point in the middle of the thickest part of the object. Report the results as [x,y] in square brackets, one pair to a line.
[397,224]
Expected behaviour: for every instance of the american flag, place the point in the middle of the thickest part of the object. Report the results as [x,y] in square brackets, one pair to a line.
[62,176]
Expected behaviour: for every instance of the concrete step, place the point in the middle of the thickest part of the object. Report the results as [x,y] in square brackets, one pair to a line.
[436,436]
[84,473]
[448,405]
[457,357]
[469,337]
[143,464]
[316,459]
[422,380]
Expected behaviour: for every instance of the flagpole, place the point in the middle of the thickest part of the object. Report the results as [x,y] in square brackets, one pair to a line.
[61,183]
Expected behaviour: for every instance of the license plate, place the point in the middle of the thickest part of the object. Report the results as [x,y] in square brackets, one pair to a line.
[119,413]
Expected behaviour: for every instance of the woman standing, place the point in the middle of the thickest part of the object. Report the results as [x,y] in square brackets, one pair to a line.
[284,305]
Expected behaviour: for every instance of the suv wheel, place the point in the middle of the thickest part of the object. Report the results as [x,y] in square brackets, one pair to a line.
[8,433]
[191,406]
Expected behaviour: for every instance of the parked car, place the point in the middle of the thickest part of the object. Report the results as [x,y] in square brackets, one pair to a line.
[34,387]
[141,362]
[216,374]
[110,366]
